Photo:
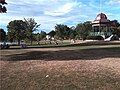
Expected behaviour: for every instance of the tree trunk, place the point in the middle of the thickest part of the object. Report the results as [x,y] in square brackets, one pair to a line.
[31,42]
[18,42]
[31,39]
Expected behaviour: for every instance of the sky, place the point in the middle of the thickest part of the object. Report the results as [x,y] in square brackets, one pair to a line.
[48,13]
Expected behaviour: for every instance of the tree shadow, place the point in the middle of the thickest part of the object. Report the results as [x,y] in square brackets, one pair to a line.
[62,55]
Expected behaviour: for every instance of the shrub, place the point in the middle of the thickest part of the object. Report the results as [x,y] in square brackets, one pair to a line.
[95,38]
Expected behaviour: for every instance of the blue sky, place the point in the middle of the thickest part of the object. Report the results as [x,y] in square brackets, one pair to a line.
[48,13]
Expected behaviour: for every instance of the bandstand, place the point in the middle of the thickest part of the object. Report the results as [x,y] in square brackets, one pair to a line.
[101,26]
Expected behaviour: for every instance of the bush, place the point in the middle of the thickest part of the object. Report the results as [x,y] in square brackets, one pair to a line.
[4,46]
[115,37]
[95,38]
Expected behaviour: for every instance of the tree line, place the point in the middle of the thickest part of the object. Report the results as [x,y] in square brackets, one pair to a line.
[24,30]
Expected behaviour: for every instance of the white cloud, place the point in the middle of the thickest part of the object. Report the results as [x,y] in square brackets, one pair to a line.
[62,10]
[113,2]
[48,13]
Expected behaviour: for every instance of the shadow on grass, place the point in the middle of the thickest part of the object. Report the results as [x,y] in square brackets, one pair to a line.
[62,55]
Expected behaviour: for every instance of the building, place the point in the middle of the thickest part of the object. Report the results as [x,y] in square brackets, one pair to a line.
[101,26]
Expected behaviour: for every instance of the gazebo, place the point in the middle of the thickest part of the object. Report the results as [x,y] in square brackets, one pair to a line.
[101,26]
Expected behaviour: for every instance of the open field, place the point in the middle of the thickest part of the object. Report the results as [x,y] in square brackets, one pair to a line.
[63,68]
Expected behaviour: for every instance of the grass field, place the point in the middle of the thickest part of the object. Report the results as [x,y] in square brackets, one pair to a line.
[65,68]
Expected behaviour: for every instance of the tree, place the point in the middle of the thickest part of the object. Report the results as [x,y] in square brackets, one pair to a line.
[31,26]
[42,35]
[115,23]
[52,33]
[73,33]
[16,30]
[62,31]
[59,31]
[67,32]
[2,35]
[115,26]
[83,29]
[2,8]
[118,31]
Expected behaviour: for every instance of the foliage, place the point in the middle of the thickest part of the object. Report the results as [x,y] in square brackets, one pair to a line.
[3,9]
[31,26]
[62,31]
[73,34]
[42,35]
[39,36]
[116,27]
[118,31]
[52,33]
[83,29]
[115,23]
[2,35]
[95,38]
[16,30]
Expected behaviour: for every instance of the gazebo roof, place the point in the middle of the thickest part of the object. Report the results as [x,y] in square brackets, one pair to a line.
[101,18]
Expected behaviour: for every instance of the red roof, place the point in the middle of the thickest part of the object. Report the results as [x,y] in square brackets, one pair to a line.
[101,18]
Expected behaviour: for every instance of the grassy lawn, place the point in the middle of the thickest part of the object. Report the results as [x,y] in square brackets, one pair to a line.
[95,67]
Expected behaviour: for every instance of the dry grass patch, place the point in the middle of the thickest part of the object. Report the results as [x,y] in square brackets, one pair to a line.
[59,69]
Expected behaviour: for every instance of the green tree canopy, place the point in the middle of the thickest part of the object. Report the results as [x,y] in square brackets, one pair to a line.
[83,29]
[115,27]
[62,31]
[52,33]
[42,35]
[73,33]
[2,35]
[16,30]
[31,26]
[118,31]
